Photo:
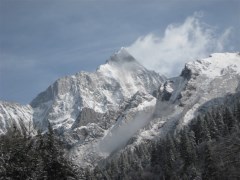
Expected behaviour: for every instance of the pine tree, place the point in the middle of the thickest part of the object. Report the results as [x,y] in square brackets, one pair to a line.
[114,169]
[123,165]
[237,111]
[97,173]
[198,129]
[156,158]
[230,121]
[211,170]
[214,132]
[172,156]
[171,144]
[188,147]
[154,154]
[220,124]
[19,155]
[55,165]
[88,174]
[205,134]
[193,144]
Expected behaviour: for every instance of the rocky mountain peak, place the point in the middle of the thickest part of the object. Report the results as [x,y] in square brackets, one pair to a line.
[122,56]
[116,102]
[104,90]
[217,64]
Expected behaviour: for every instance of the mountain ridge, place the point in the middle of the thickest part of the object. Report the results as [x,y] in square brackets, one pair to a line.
[91,110]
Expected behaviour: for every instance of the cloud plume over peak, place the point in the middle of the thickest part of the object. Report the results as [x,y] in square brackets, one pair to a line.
[179,44]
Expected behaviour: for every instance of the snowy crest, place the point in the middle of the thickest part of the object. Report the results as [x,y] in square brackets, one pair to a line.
[97,113]
[216,65]
[106,89]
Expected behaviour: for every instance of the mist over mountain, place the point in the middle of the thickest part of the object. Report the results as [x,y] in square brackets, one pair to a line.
[122,105]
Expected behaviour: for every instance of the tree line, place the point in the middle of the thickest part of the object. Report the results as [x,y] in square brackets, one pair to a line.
[208,148]
[40,157]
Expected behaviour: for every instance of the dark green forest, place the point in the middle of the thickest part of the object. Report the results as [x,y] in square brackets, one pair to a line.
[208,148]
[23,157]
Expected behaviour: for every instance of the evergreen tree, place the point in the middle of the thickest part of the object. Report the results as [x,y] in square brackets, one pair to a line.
[88,175]
[154,155]
[123,165]
[56,166]
[171,144]
[18,156]
[193,144]
[214,133]
[205,134]
[198,128]
[237,111]
[229,120]
[114,169]
[186,148]
[97,173]
[210,169]
[220,124]
[171,155]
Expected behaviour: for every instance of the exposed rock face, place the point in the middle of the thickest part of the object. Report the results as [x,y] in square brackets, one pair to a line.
[84,107]
[202,84]
[97,113]
[86,116]
[104,90]
[13,114]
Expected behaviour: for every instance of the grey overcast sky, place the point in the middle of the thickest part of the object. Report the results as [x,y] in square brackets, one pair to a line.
[42,40]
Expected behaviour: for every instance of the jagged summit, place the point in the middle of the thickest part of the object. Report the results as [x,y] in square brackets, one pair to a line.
[216,65]
[103,106]
[112,84]
[201,82]
[122,56]
[122,64]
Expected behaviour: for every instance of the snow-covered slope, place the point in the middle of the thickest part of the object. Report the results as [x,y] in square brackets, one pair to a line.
[13,114]
[211,78]
[86,108]
[104,90]
[96,113]
[216,65]
[100,142]
[201,85]
[179,99]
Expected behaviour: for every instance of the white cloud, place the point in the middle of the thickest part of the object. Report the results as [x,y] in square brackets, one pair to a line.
[180,43]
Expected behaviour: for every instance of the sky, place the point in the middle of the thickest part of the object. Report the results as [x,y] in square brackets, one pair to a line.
[41,41]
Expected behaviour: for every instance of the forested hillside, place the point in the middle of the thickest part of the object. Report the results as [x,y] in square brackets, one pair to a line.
[209,148]
[41,157]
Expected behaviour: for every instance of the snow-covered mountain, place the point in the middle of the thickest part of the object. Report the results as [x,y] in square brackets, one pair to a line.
[202,84]
[102,91]
[15,114]
[97,113]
